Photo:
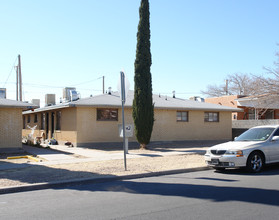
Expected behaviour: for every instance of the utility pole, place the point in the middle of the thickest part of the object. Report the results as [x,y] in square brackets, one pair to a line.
[20,78]
[103,84]
[227,86]
[16,82]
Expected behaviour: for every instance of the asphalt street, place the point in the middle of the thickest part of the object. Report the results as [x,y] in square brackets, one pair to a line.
[208,194]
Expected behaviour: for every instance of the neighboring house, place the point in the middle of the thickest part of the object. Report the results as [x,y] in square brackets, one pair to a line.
[254,108]
[96,119]
[229,101]
[11,123]
[260,107]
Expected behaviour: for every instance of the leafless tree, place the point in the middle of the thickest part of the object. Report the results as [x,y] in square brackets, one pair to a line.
[269,82]
[265,90]
[262,91]
[214,91]
[235,84]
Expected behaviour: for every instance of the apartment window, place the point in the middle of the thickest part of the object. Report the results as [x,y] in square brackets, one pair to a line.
[28,119]
[181,116]
[211,116]
[107,114]
[35,118]
[58,120]
[43,121]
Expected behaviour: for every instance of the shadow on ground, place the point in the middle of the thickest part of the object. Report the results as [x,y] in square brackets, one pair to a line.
[196,191]
[163,146]
[30,174]
[267,170]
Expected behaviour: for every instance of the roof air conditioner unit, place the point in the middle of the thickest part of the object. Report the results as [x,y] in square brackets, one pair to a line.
[67,93]
[50,99]
[36,102]
[74,95]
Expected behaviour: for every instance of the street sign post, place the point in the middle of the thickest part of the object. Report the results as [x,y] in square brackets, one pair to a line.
[123,96]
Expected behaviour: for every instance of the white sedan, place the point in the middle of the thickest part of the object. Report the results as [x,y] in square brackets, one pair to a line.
[252,149]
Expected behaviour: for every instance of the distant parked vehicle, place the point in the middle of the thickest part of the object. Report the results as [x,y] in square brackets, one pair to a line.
[252,149]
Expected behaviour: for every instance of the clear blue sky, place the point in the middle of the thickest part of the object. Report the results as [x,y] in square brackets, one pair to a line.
[75,42]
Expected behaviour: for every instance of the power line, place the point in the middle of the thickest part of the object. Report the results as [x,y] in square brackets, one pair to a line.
[58,87]
[42,86]
[88,81]
[180,93]
[10,73]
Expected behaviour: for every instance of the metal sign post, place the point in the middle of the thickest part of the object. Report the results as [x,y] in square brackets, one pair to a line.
[123,89]
[123,99]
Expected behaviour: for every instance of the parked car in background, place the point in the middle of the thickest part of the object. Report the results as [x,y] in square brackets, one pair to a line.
[252,149]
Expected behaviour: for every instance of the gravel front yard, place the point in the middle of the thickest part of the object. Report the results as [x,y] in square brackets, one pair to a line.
[51,173]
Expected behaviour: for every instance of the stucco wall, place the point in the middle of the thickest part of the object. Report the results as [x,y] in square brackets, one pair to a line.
[68,130]
[91,130]
[10,127]
[166,128]
[79,125]
[227,101]
[246,124]
[224,100]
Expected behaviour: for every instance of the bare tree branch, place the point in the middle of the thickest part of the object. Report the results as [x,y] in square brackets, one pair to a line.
[238,84]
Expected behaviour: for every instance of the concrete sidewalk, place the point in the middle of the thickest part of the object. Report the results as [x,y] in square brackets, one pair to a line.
[61,154]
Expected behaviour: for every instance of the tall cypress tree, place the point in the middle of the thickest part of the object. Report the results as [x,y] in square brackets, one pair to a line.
[143,108]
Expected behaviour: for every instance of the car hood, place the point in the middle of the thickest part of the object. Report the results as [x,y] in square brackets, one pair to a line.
[235,145]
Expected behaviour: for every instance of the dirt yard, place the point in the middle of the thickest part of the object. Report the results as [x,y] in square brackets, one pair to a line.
[52,173]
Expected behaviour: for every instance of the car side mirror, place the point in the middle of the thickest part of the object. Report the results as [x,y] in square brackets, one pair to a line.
[275,138]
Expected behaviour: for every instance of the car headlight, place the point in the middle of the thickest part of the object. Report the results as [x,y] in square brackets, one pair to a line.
[237,153]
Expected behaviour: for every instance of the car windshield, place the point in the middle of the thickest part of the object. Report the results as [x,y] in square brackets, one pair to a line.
[255,134]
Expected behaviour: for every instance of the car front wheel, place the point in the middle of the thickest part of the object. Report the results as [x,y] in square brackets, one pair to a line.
[255,162]
[219,168]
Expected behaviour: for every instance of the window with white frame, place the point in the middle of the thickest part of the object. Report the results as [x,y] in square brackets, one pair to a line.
[181,116]
[211,116]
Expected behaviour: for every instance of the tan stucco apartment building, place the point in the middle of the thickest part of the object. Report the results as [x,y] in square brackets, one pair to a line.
[11,123]
[96,119]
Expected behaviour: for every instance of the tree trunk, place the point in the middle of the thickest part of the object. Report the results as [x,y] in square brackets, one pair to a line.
[142,146]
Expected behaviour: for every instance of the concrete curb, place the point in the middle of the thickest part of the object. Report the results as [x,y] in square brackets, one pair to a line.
[56,184]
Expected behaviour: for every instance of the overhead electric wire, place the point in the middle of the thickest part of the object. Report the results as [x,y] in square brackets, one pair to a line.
[10,73]
[42,86]
[179,93]
[88,81]
[58,87]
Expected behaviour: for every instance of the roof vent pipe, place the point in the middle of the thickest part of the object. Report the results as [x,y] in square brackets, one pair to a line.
[173,94]
[109,90]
